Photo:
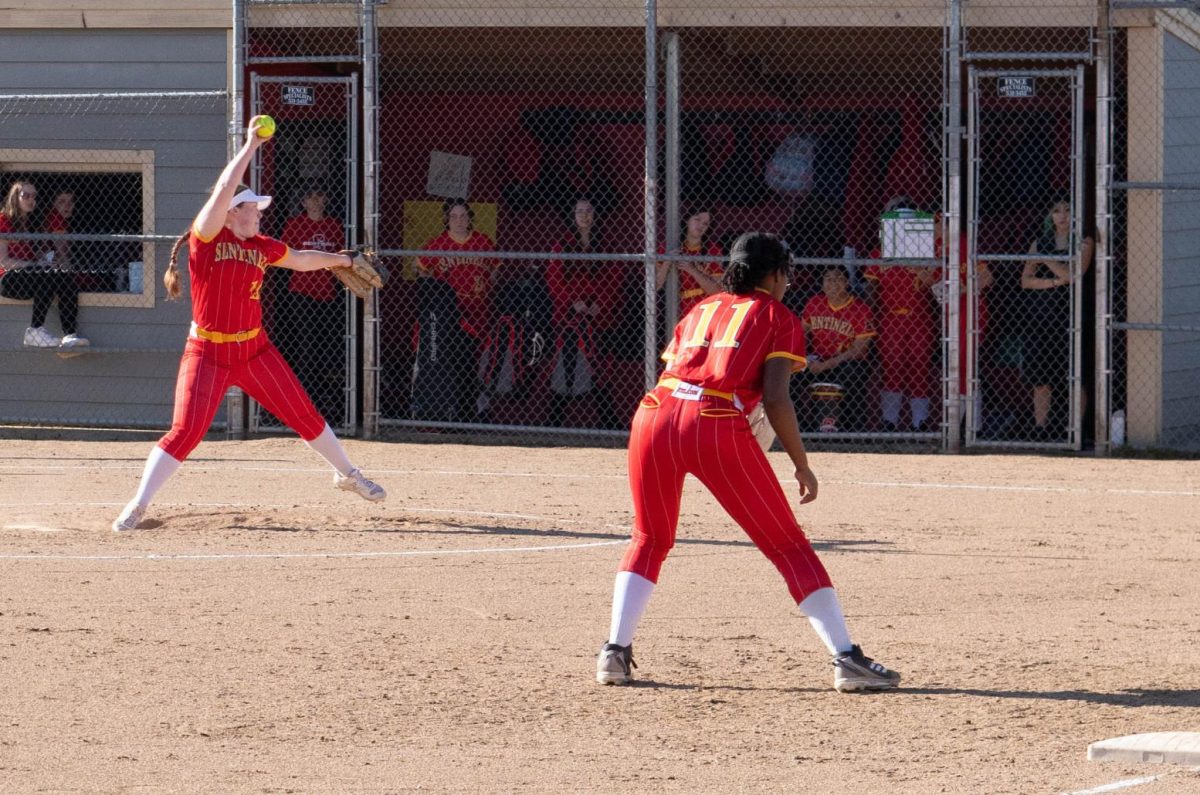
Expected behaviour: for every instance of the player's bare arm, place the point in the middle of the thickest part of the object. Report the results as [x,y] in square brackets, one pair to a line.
[312,260]
[709,283]
[777,403]
[211,217]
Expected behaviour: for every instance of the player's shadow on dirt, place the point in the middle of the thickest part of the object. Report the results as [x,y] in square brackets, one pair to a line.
[1124,698]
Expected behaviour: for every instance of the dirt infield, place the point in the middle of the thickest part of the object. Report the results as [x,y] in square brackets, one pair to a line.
[270,634]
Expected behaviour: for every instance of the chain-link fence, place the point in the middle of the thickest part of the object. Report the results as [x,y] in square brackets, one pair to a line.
[985,203]
[93,199]
[1153,262]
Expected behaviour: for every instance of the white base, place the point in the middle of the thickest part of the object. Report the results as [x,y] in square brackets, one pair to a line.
[1178,748]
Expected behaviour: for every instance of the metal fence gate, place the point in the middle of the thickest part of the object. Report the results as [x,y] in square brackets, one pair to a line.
[1025,285]
[311,171]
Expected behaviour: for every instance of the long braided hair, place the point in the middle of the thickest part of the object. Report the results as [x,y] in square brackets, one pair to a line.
[752,257]
[171,278]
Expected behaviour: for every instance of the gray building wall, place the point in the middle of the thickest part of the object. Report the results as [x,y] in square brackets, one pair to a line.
[1181,244]
[188,138]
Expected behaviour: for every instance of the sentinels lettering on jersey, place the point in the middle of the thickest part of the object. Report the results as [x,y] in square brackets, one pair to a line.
[226,279]
[726,339]
[835,328]
[236,251]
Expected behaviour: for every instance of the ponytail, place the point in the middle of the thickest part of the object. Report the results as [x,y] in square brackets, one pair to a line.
[753,257]
[171,277]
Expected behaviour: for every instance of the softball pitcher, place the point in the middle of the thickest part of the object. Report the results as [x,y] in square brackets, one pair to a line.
[226,346]
[732,350]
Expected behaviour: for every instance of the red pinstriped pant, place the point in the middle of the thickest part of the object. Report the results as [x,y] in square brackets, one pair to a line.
[711,440]
[906,353]
[208,369]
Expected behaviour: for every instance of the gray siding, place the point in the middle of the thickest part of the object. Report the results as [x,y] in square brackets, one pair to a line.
[1181,244]
[188,139]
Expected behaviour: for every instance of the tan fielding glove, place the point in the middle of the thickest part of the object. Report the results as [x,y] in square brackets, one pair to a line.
[362,276]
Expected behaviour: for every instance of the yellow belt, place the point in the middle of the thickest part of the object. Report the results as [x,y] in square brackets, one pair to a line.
[673,383]
[220,336]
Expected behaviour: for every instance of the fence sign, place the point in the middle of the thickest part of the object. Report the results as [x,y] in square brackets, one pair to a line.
[299,95]
[1015,87]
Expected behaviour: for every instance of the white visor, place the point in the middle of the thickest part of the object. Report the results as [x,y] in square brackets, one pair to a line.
[250,196]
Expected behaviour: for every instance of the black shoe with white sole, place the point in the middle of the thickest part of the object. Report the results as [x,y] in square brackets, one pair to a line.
[855,671]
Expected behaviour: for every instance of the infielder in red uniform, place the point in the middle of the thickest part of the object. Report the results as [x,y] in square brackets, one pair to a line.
[227,258]
[731,351]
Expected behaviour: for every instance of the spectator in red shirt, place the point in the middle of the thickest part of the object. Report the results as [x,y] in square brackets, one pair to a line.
[312,316]
[840,328]
[472,278]
[58,222]
[697,280]
[23,278]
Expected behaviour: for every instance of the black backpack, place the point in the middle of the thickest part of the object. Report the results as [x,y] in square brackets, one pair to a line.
[442,356]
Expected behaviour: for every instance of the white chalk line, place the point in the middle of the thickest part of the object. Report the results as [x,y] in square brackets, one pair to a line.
[313,555]
[1116,785]
[1125,783]
[465,473]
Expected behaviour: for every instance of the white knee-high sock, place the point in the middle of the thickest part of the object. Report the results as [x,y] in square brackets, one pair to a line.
[631,593]
[824,612]
[889,406]
[160,466]
[329,448]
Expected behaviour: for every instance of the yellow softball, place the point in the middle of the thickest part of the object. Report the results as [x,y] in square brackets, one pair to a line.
[266,127]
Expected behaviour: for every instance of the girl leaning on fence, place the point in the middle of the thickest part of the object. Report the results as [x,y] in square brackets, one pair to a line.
[226,346]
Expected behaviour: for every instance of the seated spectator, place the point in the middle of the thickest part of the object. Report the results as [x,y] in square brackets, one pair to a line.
[839,328]
[902,299]
[22,278]
[311,320]
[471,278]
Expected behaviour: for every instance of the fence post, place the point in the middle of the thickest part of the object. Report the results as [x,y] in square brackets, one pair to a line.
[235,399]
[1103,383]
[651,190]
[370,213]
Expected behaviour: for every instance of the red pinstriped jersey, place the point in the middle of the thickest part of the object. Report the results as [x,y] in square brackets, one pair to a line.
[725,341]
[227,278]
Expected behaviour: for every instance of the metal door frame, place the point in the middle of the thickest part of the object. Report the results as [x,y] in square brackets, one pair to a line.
[1074,440]
[351,224]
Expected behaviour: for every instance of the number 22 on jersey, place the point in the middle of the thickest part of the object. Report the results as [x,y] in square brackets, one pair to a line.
[697,336]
